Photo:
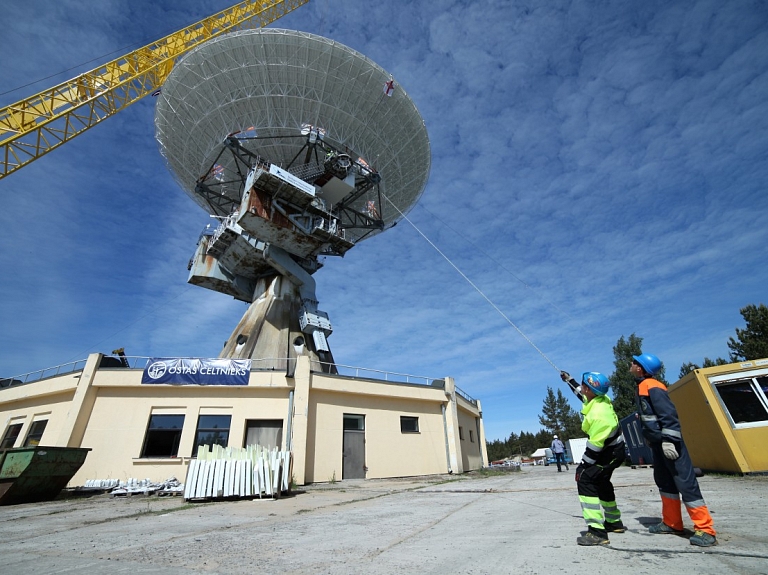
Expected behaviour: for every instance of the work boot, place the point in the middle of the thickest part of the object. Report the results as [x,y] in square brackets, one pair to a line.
[589,539]
[664,529]
[703,539]
[614,527]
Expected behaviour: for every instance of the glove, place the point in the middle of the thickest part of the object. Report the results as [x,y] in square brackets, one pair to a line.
[579,471]
[669,450]
[565,376]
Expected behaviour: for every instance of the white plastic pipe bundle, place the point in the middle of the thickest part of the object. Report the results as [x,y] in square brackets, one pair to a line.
[238,472]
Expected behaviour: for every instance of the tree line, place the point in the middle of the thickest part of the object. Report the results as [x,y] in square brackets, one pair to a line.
[559,418]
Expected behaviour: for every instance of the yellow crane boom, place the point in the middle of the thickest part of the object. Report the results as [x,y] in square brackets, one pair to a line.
[34,126]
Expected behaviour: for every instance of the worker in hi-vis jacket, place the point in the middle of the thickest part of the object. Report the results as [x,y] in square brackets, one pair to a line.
[672,467]
[604,453]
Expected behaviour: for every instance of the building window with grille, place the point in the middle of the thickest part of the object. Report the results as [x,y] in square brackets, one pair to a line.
[745,398]
[212,430]
[11,434]
[409,424]
[163,436]
[35,433]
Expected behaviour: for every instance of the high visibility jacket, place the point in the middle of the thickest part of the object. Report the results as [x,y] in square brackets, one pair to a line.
[602,427]
[658,416]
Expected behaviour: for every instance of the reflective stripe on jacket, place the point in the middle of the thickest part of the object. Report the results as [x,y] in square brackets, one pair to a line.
[602,427]
[658,415]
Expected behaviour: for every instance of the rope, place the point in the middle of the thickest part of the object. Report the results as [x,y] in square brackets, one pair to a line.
[470,282]
[498,263]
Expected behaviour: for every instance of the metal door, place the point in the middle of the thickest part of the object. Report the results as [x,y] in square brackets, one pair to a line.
[354,447]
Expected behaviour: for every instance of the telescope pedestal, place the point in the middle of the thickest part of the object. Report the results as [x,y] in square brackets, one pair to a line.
[270,330]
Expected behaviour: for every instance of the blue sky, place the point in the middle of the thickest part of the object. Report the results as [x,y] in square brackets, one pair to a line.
[598,170]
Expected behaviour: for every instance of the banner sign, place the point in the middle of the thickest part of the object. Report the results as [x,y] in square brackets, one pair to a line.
[189,371]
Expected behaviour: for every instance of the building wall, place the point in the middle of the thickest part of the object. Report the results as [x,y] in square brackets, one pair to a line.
[108,410]
[389,452]
[471,452]
[118,423]
[50,400]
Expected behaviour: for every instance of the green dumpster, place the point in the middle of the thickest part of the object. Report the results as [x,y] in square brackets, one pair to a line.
[30,474]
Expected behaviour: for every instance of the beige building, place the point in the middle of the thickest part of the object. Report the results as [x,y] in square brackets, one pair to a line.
[724,415]
[336,426]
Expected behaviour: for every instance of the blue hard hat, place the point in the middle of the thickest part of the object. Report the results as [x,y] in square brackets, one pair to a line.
[595,381]
[650,363]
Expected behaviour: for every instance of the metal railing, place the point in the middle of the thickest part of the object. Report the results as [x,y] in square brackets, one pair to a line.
[466,396]
[395,377]
[262,364]
[379,375]
[46,373]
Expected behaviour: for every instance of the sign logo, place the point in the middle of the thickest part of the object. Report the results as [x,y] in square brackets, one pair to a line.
[156,370]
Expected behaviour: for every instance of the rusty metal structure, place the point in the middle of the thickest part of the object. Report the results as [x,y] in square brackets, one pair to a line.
[300,148]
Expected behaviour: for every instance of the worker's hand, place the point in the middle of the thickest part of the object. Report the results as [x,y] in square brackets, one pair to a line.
[565,376]
[669,450]
[579,471]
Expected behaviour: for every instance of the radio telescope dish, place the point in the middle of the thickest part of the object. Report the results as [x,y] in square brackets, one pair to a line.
[270,91]
[301,147]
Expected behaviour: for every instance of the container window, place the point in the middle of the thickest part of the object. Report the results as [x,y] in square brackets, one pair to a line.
[35,433]
[11,434]
[212,430]
[409,424]
[745,399]
[163,436]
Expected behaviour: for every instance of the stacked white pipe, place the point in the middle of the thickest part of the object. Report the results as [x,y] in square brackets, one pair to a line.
[253,471]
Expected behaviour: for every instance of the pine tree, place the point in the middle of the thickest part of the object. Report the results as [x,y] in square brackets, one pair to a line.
[558,417]
[496,450]
[622,382]
[753,340]
[687,368]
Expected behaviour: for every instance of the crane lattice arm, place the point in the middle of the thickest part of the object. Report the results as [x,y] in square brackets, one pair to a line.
[34,126]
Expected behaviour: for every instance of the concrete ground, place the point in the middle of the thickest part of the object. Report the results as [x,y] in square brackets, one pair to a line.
[523,523]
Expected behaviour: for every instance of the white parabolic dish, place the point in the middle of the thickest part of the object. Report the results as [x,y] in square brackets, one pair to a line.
[270,83]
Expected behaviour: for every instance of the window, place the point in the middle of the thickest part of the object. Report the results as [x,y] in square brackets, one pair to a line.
[471,437]
[409,424]
[212,430]
[163,436]
[745,399]
[265,432]
[461,433]
[354,422]
[35,433]
[11,434]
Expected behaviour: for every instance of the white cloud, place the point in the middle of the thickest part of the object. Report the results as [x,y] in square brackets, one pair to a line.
[595,172]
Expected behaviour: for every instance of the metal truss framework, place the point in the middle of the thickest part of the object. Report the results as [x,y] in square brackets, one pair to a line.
[34,126]
[209,187]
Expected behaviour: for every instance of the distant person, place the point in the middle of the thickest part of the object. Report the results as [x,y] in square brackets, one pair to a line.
[604,453]
[672,467]
[558,449]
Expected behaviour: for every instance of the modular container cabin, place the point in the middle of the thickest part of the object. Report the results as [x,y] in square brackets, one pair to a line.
[724,416]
